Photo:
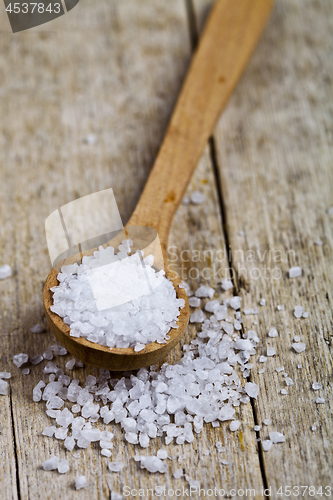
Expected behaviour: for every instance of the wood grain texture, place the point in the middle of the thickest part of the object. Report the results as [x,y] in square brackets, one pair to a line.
[45,163]
[274,151]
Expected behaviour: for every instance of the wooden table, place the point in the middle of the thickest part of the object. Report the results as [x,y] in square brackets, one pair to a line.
[114,69]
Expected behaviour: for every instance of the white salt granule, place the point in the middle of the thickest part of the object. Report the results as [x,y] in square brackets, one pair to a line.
[234,425]
[49,431]
[320,401]
[289,381]
[48,355]
[106,453]
[26,371]
[59,350]
[298,311]
[314,427]
[251,389]
[115,466]
[305,314]
[299,347]
[271,351]
[69,443]
[36,359]
[276,437]
[51,464]
[37,393]
[5,375]
[226,284]
[316,386]
[63,466]
[299,366]
[279,369]
[197,198]
[262,302]
[5,272]
[70,364]
[152,464]
[273,332]
[197,317]
[162,454]
[178,473]
[108,316]
[81,482]
[235,302]
[297,338]
[186,200]
[20,359]
[267,444]
[37,329]
[257,428]
[194,301]
[284,391]
[262,359]
[262,370]
[330,211]
[116,496]
[3,387]
[267,421]
[280,307]
[90,139]
[295,272]
[253,310]
[205,291]
[319,242]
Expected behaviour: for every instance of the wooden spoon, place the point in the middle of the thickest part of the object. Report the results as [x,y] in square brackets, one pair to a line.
[226,44]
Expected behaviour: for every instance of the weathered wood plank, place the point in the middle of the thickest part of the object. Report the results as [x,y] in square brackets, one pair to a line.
[274,152]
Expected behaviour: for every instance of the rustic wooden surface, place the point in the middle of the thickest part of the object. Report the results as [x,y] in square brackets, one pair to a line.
[114,69]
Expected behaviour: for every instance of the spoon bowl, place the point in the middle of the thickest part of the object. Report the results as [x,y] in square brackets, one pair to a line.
[228,39]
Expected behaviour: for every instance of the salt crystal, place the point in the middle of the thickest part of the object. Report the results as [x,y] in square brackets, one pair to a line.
[186,200]
[267,444]
[194,485]
[251,389]
[279,369]
[316,386]
[115,466]
[299,366]
[106,453]
[224,462]
[60,433]
[116,496]
[51,464]
[63,466]
[320,401]
[273,332]
[299,347]
[162,454]
[305,314]
[3,387]
[90,139]
[262,359]
[267,421]
[69,443]
[262,370]
[277,437]
[37,393]
[314,427]
[297,338]
[79,364]
[252,310]
[197,198]
[235,302]
[153,464]
[20,359]
[289,381]
[5,375]
[58,350]
[37,329]
[197,317]
[262,302]
[70,364]
[226,284]
[205,291]
[280,307]
[319,242]
[234,425]
[139,347]
[49,431]
[295,272]
[50,368]
[26,371]
[298,311]
[330,211]
[36,359]
[81,482]
[5,272]
[271,351]
[257,428]
[178,473]
[194,301]
[284,391]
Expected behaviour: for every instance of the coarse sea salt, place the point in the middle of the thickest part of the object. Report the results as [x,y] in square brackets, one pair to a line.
[81,482]
[37,329]
[5,272]
[316,386]
[299,347]
[145,319]
[273,332]
[3,387]
[197,198]
[20,359]
[295,272]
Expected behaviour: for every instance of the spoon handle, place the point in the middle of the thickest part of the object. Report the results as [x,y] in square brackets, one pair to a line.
[226,44]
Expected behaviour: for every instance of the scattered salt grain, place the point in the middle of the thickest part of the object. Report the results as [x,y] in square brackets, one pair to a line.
[26,371]
[273,332]
[69,443]
[320,401]
[262,302]
[234,425]
[319,242]
[205,291]
[262,370]
[186,200]
[5,272]
[197,197]
[226,284]
[197,317]
[279,369]
[257,428]
[70,364]
[116,496]
[271,351]
[48,355]
[299,366]
[295,272]
[253,310]
[81,482]
[90,139]
[49,431]
[152,464]
[251,389]
[280,307]
[316,386]
[115,466]
[3,387]
[20,359]
[314,427]
[5,375]
[194,301]
[37,329]
[63,466]
[298,311]
[51,464]
[36,359]
[289,381]
[106,453]
[276,437]
[297,338]
[267,421]
[284,391]
[299,347]
[305,314]
[178,473]
[235,302]
[262,359]
[37,393]
[162,454]
[267,444]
